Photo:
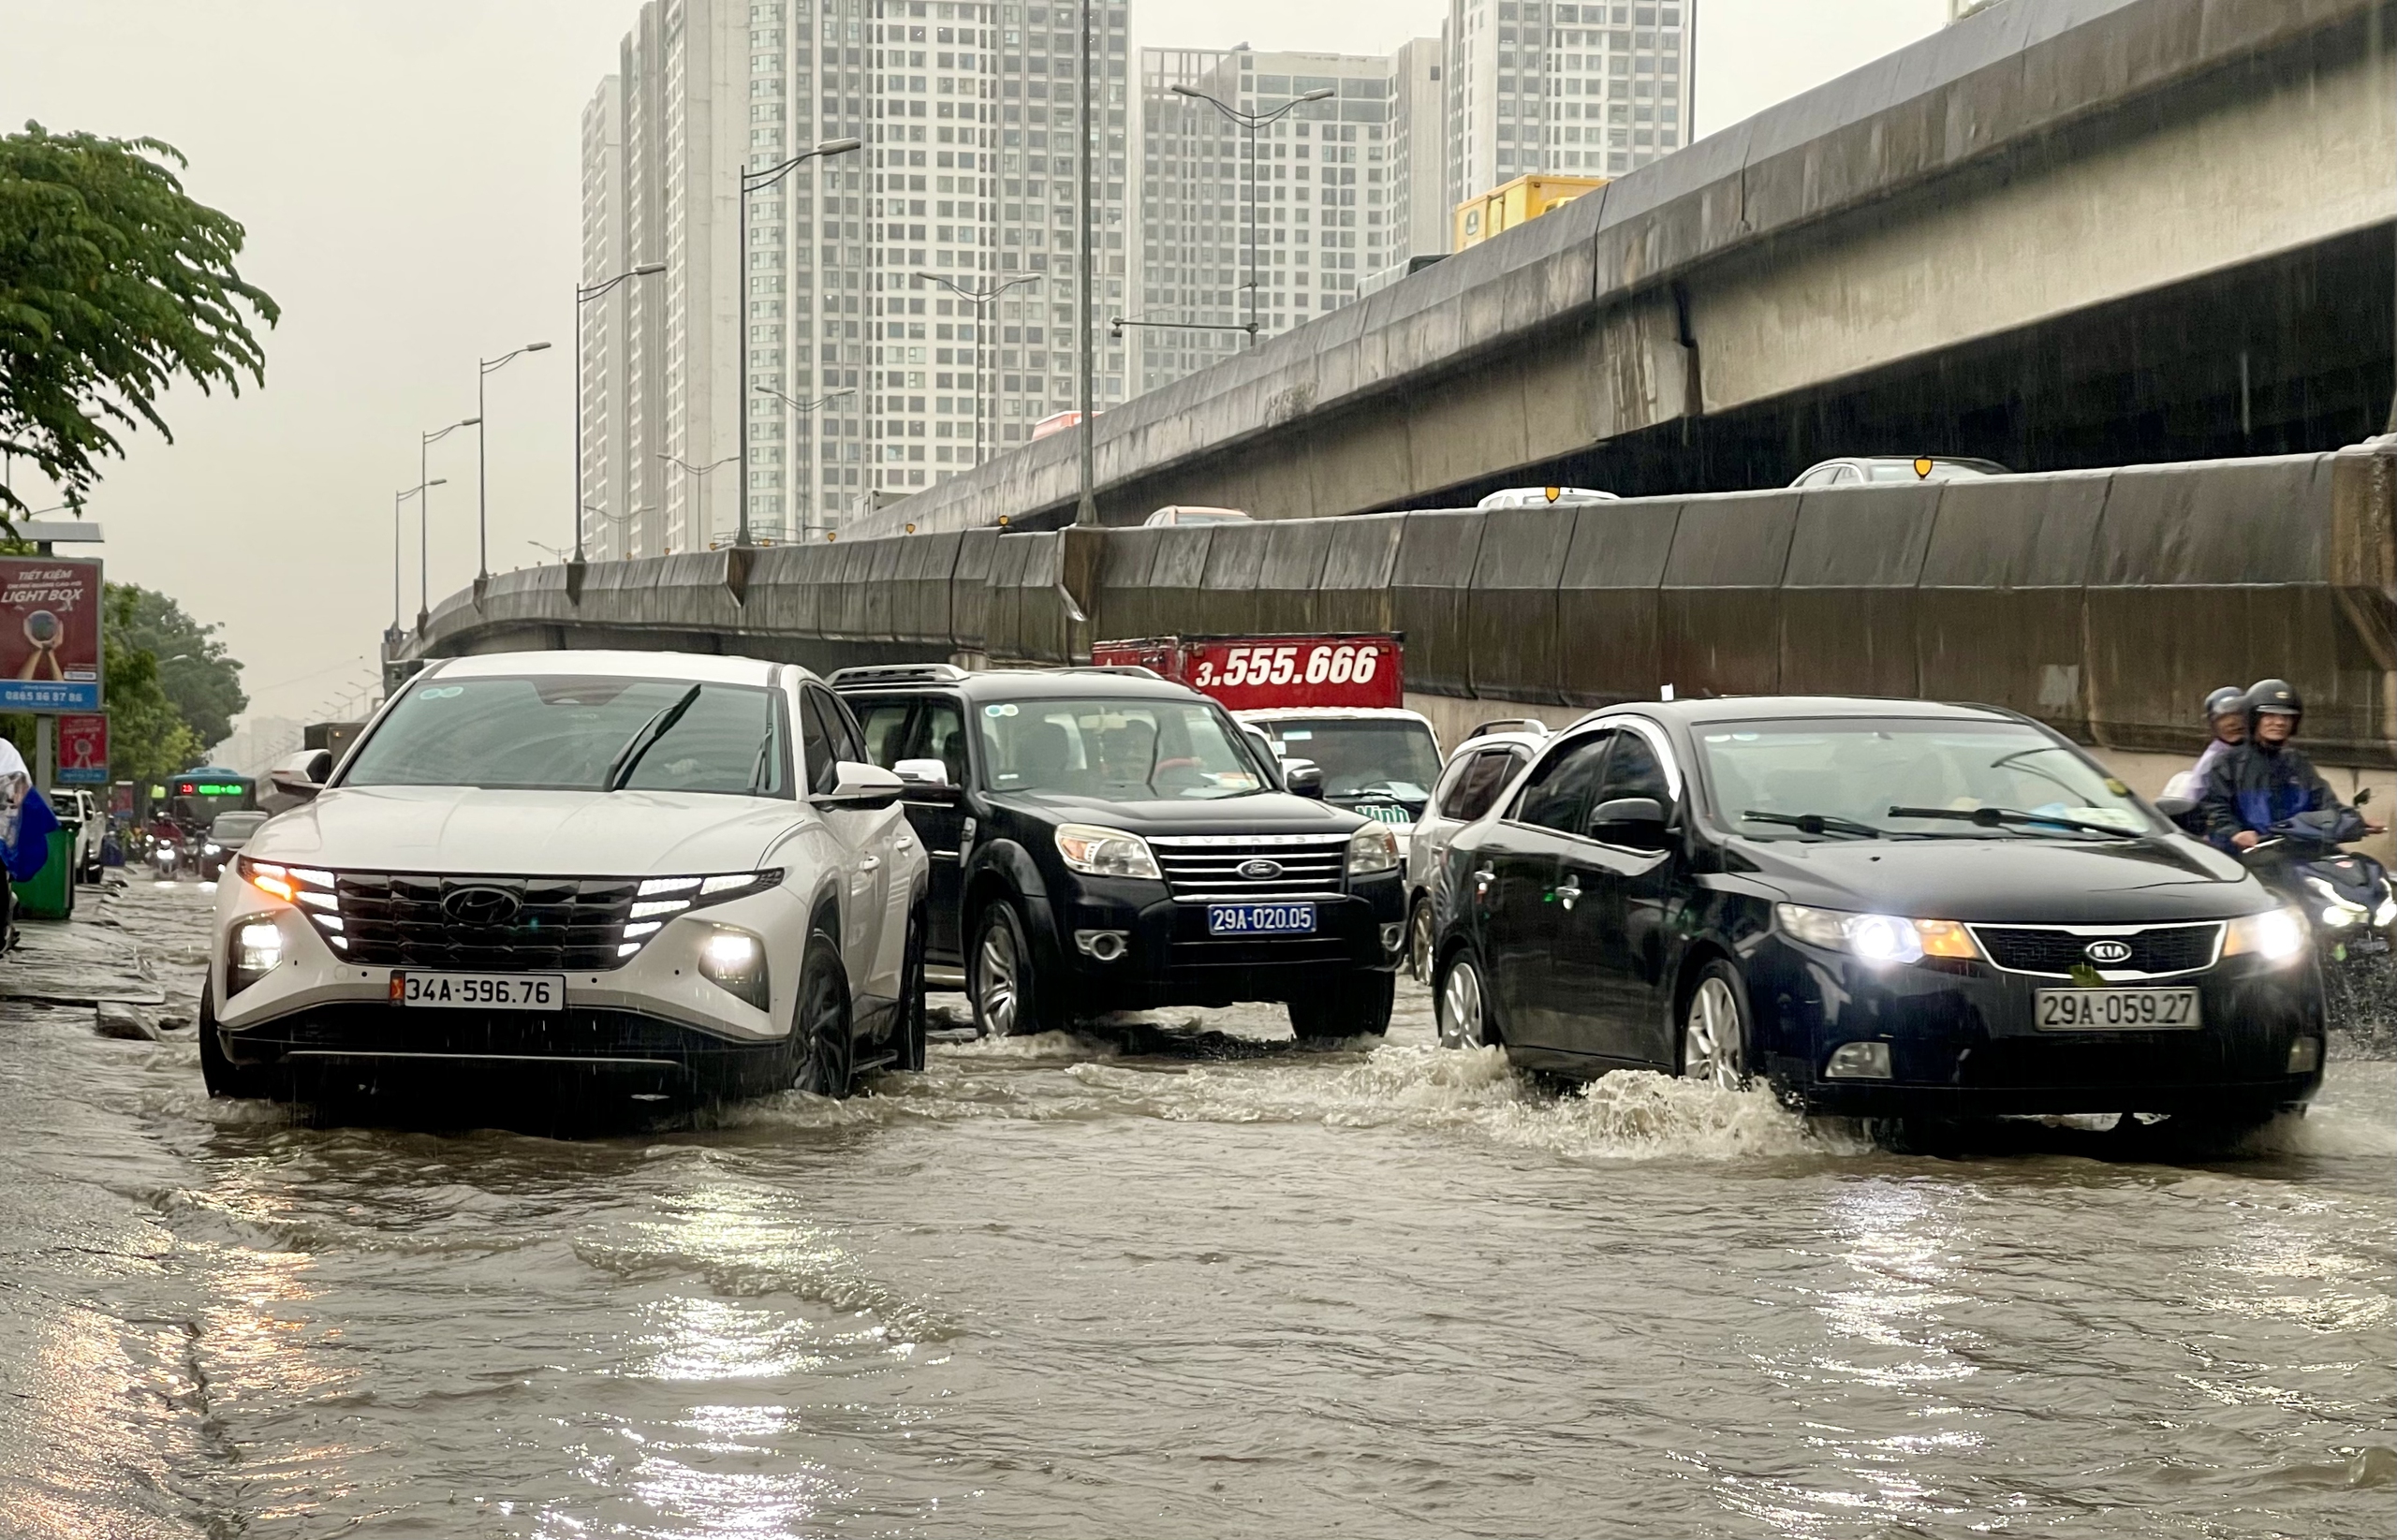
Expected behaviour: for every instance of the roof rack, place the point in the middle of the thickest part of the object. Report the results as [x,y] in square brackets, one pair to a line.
[1138,670]
[897,673]
[1509,724]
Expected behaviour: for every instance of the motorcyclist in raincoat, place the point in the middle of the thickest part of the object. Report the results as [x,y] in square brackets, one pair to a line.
[2267,780]
[2225,716]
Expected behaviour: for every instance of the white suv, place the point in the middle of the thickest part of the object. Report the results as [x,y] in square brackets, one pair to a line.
[670,874]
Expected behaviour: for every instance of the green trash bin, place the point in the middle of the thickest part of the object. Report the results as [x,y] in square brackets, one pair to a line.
[49,893]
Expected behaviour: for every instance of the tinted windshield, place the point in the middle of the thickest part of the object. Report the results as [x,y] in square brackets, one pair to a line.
[1362,756]
[1858,771]
[559,732]
[1122,751]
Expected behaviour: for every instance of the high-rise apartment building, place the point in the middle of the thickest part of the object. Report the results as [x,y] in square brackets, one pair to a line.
[1275,224]
[1548,85]
[867,375]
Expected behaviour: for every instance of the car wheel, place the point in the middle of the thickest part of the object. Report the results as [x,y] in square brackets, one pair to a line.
[1714,1029]
[910,1043]
[1465,1005]
[820,1031]
[1418,940]
[1009,996]
[1359,1006]
[217,1072]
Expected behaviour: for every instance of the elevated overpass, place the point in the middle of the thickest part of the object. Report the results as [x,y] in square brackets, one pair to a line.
[2061,233]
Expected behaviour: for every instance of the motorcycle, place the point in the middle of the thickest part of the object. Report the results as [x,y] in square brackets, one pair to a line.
[2351,905]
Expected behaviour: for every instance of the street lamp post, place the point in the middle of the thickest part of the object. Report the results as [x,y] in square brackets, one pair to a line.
[1086,509]
[983,299]
[757,181]
[486,368]
[701,472]
[804,407]
[424,516]
[583,295]
[397,498]
[1251,122]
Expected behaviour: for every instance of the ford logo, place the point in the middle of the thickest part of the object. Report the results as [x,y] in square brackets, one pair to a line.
[481,907]
[2107,953]
[1260,869]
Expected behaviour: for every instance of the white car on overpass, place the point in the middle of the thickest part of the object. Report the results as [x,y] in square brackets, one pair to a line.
[663,874]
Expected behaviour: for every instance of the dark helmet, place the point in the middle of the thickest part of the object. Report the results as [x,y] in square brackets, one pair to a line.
[2230,699]
[2275,696]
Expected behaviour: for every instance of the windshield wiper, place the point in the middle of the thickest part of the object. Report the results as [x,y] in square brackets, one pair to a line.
[620,768]
[1817,823]
[1994,818]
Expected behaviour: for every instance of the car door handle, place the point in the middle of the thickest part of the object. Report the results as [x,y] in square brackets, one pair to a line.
[903,843]
[871,864]
[1569,893]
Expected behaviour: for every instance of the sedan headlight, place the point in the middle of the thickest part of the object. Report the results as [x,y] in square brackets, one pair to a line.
[1372,848]
[2276,935]
[1106,852]
[1875,938]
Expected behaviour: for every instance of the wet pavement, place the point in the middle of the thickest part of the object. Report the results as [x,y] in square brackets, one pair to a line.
[1177,1278]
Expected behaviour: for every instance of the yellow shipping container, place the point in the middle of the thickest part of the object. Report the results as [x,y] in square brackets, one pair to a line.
[1525,198]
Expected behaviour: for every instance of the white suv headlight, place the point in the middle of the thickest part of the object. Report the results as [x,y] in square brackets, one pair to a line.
[1106,852]
[1372,848]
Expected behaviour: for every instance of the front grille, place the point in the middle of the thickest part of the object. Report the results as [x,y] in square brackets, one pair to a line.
[1208,866]
[565,924]
[2056,950]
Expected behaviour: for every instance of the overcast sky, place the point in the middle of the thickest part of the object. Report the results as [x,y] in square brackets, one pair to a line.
[408,175]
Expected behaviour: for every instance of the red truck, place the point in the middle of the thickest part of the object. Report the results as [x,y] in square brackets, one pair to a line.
[1334,700]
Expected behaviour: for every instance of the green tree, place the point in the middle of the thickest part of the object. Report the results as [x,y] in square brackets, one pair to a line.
[112,283]
[198,676]
[148,738]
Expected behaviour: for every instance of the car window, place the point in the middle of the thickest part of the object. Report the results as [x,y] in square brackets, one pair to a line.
[1120,750]
[940,734]
[1635,770]
[568,732]
[822,743]
[1483,778]
[1558,793]
[884,726]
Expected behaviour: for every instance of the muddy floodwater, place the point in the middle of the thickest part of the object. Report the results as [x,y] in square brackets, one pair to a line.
[1171,1278]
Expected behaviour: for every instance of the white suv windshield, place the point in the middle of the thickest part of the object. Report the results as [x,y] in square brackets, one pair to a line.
[561,732]
[1120,750]
[1857,779]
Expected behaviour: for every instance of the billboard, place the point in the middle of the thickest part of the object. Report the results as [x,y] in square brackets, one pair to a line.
[83,751]
[50,635]
[1253,673]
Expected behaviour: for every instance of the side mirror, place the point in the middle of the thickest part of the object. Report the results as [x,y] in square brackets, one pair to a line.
[927,780]
[863,787]
[1639,817]
[302,776]
[1303,778]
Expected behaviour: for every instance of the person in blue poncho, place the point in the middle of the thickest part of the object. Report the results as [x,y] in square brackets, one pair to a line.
[26,823]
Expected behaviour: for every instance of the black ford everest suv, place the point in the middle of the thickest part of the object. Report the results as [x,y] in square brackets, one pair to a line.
[1102,839]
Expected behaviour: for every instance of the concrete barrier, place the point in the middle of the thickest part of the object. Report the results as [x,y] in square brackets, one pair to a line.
[2103,603]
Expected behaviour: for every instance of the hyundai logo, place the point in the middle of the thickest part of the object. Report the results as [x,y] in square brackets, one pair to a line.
[1260,869]
[2107,953]
[481,907]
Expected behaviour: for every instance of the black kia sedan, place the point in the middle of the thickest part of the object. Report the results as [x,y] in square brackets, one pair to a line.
[1887,908]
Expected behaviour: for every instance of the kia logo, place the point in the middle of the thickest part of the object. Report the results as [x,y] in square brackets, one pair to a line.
[2109,953]
[481,907]
[1260,869]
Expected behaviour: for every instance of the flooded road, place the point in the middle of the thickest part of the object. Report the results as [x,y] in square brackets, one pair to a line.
[1184,1280]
